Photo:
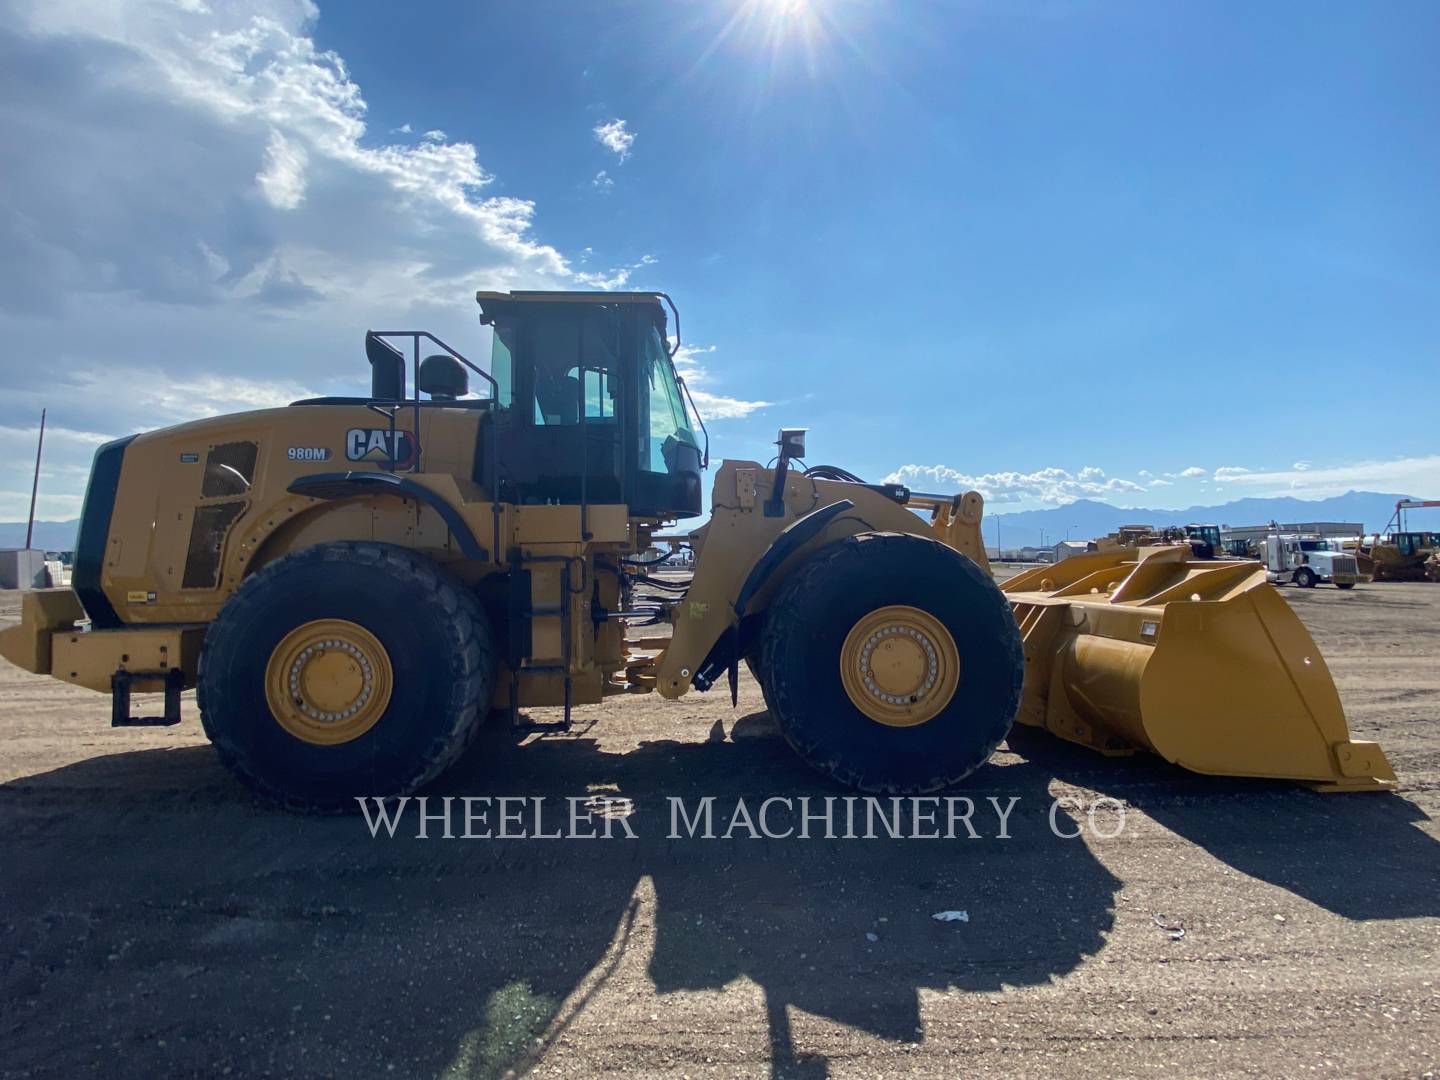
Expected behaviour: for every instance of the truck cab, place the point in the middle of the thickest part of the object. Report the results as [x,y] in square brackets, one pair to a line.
[1309,560]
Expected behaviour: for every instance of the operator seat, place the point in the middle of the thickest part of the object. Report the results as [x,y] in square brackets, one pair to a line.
[558,398]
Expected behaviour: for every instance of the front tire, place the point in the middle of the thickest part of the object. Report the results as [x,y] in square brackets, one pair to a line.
[346,669]
[892,663]
[1305,577]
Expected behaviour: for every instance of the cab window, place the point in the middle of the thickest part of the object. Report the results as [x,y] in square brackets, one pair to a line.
[664,424]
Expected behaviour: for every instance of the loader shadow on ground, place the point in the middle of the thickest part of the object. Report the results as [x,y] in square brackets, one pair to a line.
[1359,855]
[157,921]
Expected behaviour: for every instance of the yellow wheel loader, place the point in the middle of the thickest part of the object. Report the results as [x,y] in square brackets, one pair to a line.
[353,584]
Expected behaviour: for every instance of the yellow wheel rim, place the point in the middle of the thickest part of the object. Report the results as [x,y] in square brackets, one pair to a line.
[899,666]
[328,682]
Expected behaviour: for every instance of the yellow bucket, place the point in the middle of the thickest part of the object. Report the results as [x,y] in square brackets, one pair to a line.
[1201,662]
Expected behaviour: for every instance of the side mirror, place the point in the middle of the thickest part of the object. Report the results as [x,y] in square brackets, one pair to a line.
[443,377]
[792,447]
[792,443]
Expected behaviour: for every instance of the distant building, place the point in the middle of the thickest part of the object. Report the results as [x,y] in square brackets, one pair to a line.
[1068,548]
[22,568]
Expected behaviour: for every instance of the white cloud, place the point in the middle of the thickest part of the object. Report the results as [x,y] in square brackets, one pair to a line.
[615,137]
[63,472]
[1052,486]
[282,180]
[215,395]
[53,434]
[603,182]
[238,259]
[209,90]
[712,406]
[1300,466]
[15,505]
[1055,486]
[1408,476]
[615,277]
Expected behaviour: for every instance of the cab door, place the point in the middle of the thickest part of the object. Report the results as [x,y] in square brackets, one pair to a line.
[561,431]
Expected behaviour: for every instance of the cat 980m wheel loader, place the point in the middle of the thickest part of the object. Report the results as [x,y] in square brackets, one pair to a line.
[354,583]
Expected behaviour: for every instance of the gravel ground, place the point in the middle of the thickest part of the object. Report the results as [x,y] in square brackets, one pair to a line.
[157,921]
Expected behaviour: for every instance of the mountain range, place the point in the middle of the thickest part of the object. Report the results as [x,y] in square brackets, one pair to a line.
[1083,519]
[50,535]
[1086,519]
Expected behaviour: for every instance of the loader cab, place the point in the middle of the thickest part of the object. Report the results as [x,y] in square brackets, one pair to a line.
[1412,543]
[1204,540]
[589,407]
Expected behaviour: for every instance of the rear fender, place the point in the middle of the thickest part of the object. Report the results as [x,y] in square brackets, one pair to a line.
[427,512]
[358,484]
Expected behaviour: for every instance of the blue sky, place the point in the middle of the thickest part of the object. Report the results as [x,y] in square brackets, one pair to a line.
[1160,254]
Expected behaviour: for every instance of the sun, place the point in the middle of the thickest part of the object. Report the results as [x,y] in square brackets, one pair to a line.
[786,26]
[781,15]
[784,42]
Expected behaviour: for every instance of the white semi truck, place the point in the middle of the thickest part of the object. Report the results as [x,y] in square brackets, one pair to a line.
[1308,560]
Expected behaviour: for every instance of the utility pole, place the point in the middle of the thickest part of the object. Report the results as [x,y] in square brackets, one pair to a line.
[35,484]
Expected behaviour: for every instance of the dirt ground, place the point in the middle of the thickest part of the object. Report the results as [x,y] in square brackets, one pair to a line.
[157,921]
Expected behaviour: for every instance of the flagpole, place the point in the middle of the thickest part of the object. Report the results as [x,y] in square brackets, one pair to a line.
[35,484]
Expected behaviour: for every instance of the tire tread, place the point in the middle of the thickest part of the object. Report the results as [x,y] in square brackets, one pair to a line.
[471,658]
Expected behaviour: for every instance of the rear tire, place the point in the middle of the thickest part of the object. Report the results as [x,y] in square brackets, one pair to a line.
[808,644]
[752,663]
[1344,585]
[1305,577]
[400,616]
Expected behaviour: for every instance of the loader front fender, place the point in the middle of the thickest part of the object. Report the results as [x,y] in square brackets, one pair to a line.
[725,652]
[744,555]
[795,536]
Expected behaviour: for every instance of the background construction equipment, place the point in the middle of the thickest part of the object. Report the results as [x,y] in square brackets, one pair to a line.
[1399,554]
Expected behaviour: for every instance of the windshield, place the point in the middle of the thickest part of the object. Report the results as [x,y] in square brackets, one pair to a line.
[664,424]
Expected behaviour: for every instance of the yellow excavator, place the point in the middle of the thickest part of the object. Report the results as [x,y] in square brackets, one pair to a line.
[354,583]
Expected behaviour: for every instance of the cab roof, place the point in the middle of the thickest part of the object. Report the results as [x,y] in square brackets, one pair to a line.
[496,304]
[557,297]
